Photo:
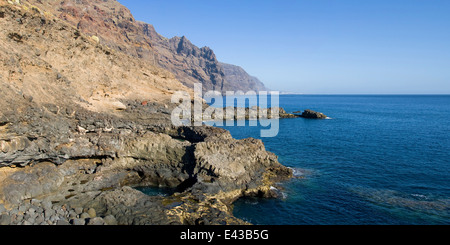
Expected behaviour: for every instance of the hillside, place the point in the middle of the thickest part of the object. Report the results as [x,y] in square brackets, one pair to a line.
[46,61]
[116,28]
[240,79]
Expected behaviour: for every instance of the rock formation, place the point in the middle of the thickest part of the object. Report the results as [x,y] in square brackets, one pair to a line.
[108,21]
[309,114]
[76,135]
[246,113]
[239,80]
[111,24]
[189,63]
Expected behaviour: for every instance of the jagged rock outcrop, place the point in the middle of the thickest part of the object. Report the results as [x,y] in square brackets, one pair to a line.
[192,64]
[209,175]
[189,63]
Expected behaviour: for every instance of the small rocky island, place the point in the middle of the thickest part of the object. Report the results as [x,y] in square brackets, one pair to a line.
[309,114]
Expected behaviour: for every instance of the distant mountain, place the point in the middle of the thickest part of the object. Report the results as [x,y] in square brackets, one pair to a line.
[189,63]
[238,79]
[114,25]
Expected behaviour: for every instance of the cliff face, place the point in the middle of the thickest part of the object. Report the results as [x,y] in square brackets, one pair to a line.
[110,21]
[189,63]
[239,79]
[46,62]
[116,27]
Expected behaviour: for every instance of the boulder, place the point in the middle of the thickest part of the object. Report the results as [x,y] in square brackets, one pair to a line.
[96,221]
[92,213]
[110,220]
[62,222]
[78,222]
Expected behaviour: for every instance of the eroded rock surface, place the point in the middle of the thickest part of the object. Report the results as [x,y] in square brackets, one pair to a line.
[76,135]
[208,174]
[112,24]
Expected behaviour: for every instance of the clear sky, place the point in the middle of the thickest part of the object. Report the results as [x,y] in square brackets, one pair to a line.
[318,46]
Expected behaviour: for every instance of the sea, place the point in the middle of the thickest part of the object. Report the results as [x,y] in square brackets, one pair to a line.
[377,160]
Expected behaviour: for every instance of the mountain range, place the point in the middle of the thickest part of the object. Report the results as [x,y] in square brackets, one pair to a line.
[114,26]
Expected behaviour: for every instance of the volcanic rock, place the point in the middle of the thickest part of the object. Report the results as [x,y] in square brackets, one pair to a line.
[309,114]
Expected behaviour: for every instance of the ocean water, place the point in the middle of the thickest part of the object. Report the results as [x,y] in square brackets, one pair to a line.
[379,160]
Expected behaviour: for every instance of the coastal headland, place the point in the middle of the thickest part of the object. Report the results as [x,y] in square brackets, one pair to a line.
[84,123]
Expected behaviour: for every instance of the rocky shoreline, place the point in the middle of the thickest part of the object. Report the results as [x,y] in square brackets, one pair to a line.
[256,113]
[86,171]
[75,141]
[93,161]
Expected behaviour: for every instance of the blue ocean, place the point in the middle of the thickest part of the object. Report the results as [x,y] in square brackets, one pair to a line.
[379,160]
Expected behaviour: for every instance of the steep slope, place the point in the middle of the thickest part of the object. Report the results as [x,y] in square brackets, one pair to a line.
[46,61]
[110,21]
[189,63]
[116,28]
[240,79]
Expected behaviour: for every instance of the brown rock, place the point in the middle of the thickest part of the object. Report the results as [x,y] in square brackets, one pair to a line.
[115,26]
[91,213]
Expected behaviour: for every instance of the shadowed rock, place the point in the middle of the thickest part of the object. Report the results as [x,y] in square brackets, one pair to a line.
[309,114]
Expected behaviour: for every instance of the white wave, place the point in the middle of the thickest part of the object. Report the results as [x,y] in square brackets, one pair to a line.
[298,172]
[419,196]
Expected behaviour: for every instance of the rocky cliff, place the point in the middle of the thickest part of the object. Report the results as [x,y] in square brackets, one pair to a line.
[239,79]
[45,61]
[83,121]
[112,23]
[114,26]
[189,63]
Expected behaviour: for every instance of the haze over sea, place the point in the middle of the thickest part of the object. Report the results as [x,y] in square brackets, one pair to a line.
[381,159]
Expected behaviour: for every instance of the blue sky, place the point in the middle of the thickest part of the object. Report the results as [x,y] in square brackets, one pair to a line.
[318,46]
